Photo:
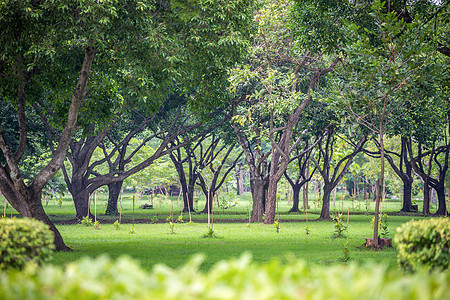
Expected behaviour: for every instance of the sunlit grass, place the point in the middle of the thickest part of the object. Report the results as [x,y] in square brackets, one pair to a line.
[153,243]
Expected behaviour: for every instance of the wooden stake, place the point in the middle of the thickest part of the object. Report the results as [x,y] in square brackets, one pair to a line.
[249,212]
[189,206]
[120,206]
[4,210]
[348,218]
[133,210]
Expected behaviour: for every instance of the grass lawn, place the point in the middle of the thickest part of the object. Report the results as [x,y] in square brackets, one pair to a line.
[153,243]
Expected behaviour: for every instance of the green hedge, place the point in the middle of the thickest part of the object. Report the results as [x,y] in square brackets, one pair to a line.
[102,278]
[424,244]
[23,241]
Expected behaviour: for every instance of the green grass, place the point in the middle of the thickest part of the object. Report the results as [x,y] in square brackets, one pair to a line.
[153,244]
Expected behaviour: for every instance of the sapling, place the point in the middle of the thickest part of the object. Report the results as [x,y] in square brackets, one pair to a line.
[116,224]
[96,225]
[277,226]
[384,226]
[346,250]
[210,233]
[132,230]
[339,226]
[180,219]
[171,225]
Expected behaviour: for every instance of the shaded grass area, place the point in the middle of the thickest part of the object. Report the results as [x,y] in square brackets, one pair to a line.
[153,243]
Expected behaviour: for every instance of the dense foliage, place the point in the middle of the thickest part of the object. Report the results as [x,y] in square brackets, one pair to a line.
[22,241]
[238,279]
[424,244]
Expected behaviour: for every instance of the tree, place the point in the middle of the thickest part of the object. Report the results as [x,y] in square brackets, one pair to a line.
[37,39]
[284,76]
[303,174]
[45,41]
[385,66]
[333,162]
[210,162]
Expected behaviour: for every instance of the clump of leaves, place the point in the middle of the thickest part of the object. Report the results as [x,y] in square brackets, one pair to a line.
[339,225]
[116,224]
[132,230]
[346,252]
[180,219]
[210,233]
[23,241]
[277,226]
[60,202]
[87,221]
[155,219]
[307,230]
[424,244]
[171,225]
[96,225]
[384,226]
[169,219]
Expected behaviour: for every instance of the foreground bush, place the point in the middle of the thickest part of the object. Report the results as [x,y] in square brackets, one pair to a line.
[424,244]
[23,241]
[238,279]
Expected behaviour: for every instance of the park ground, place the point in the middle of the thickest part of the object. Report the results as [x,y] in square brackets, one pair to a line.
[155,242]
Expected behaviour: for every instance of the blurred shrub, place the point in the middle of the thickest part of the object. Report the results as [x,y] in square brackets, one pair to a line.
[424,244]
[22,241]
[102,278]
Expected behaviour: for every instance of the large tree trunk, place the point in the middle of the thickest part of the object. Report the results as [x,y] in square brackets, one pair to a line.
[426,199]
[442,208]
[81,201]
[38,213]
[407,196]
[259,199]
[271,203]
[325,212]
[113,197]
[295,198]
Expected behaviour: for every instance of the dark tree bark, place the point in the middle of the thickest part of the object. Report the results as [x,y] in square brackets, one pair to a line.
[256,160]
[403,171]
[188,187]
[304,176]
[205,158]
[114,190]
[332,177]
[437,183]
